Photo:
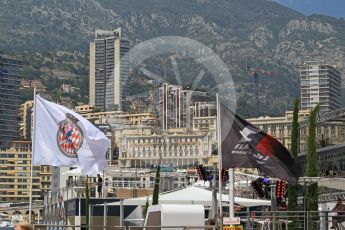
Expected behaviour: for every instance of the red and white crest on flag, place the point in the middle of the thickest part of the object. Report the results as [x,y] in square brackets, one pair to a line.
[70,136]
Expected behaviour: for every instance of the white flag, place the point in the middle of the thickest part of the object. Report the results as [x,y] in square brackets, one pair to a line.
[64,138]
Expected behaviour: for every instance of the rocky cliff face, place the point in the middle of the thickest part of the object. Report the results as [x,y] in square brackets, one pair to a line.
[242,32]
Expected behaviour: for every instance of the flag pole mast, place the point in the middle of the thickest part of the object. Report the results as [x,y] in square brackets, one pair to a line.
[32,153]
[219,163]
[231,193]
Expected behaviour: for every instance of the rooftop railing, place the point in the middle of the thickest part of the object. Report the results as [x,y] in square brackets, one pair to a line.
[251,220]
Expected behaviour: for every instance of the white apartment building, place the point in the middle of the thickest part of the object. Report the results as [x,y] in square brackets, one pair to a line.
[176,106]
[147,147]
[320,83]
[280,128]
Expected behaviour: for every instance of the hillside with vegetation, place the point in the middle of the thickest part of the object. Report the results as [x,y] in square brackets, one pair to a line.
[258,33]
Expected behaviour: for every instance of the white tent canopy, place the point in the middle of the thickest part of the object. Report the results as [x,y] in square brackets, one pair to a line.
[335,183]
[192,195]
[206,184]
[73,172]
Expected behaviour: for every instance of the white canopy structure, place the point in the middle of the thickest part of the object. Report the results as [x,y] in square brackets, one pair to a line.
[335,183]
[73,172]
[175,215]
[206,184]
[192,195]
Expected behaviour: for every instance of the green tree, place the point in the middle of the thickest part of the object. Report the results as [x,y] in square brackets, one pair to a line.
[312,168]
[292,189]
[96,110]
[114,107]
[26,95]
[56,93]
[155,196]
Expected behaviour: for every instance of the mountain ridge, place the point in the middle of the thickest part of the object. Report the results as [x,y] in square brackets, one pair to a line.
[259,33]
[335,9]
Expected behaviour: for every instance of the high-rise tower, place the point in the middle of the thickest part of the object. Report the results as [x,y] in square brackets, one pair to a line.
[109,70]
[10,78]
[176,105]
[320,83]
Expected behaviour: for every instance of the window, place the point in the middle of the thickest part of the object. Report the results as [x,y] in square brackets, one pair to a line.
[22,174]
[23,186]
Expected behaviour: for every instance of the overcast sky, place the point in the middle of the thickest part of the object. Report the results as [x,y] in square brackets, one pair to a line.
[334,8]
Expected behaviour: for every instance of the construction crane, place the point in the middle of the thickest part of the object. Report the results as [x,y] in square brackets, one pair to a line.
[256,71]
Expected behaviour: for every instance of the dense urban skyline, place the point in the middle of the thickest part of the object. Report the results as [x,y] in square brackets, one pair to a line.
[155,127]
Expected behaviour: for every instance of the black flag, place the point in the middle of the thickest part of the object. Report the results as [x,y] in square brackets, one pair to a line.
[245,146]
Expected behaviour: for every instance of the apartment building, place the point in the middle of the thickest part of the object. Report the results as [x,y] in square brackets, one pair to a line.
[15,164]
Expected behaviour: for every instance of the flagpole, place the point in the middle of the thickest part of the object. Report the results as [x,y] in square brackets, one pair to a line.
[231,193]
[219,163]
[32,153]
